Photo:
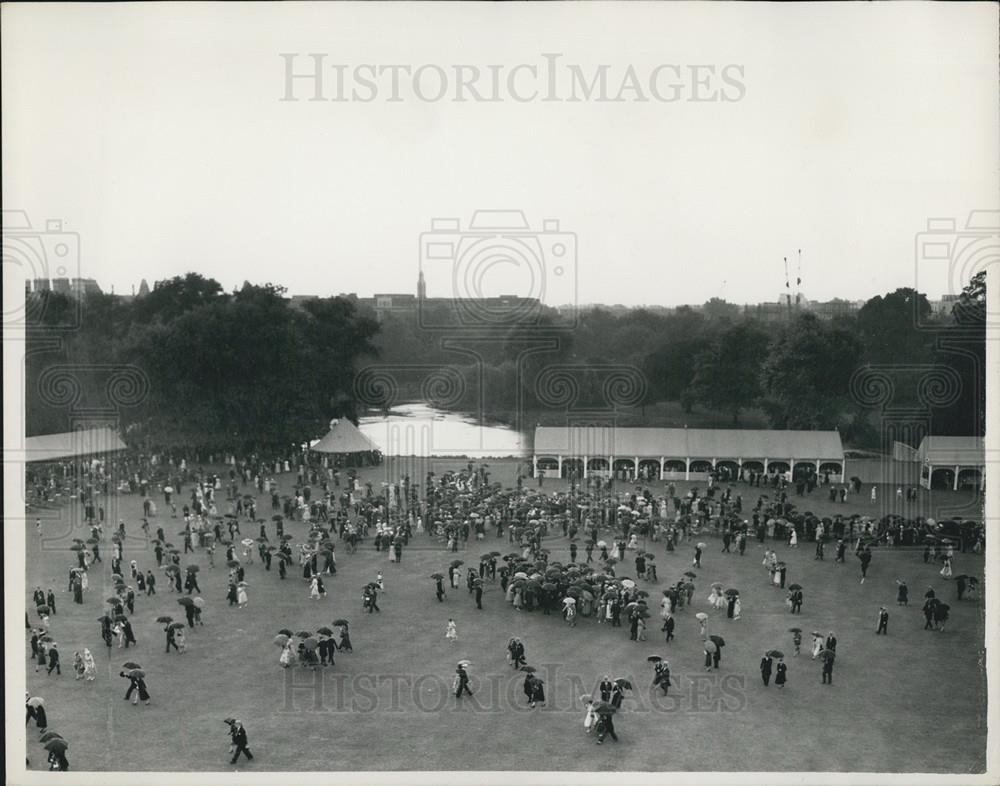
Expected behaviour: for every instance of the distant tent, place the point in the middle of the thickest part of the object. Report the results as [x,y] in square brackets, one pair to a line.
[72,444]
[346,440]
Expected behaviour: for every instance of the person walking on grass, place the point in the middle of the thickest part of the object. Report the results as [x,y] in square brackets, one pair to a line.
[781,677]
[452,631]
[883,621]
[239,739]
[765,669]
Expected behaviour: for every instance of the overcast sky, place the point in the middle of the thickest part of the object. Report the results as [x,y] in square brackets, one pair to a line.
[158,133]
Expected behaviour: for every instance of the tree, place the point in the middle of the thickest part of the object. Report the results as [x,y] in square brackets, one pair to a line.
[888,327]
[961,348]
[806,376]
[727,371]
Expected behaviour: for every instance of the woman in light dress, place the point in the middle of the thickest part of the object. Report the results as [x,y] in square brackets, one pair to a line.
[287,657]
[89,667]
[452,631]
[817,645]
[314,588]
[737,608]
[793,538]
[241,595]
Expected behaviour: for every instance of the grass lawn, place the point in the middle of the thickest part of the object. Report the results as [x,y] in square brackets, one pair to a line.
[912,701]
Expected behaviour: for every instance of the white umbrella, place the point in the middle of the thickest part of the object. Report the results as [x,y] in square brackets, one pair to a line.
[520,575]
[36,701]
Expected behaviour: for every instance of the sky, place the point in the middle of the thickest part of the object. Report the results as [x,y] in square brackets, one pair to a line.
[158,134]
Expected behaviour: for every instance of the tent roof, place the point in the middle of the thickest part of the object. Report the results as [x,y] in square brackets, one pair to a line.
[688,443]
[344,437]
[953,450]
[72,444]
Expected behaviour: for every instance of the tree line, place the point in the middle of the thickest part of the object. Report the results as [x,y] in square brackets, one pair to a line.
[251,368]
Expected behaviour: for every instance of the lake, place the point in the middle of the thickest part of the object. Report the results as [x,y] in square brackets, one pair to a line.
[420,430]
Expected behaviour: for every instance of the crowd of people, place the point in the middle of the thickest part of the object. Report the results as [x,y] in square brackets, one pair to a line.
[612,535]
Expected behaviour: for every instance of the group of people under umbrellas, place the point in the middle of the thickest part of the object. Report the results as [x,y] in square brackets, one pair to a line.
[52,742]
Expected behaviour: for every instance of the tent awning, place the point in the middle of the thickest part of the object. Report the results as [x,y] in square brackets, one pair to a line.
[71,444]
[344,437]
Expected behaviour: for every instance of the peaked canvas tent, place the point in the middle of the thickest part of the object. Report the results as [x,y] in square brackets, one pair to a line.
[344,439]
[72,444]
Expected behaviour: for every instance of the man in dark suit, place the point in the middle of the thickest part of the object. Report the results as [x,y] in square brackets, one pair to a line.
[766,663]
[463,682]
[883,621]
[797,602]
[831,642]
[478,585]
[605,688]
[239,737]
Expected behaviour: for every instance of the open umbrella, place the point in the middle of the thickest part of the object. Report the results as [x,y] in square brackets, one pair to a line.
[120,617]
[701,615]
[186,601]
[341,623]
[113,599]
[56,745]
[690,574]
[176,626]
[731,593]
[303,634]
[129,665]
[529,669]
[702,545]
[775,654]
[456,563]
[192,568]
[285,632]
[310,643]
[623,683]
[281,640]
[199,603]
[654,658]
[50,735]
[325,631]
[77,547]
[794,586]
[437,575]
[603,708]
[721,642]
[136,673]
[233,563]
[795,630]
[36,701]
[828,654]
[164,619]
[465,663]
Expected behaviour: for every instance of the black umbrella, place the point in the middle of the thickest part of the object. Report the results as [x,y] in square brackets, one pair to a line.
[654,658]
[721,642]
[325,631]
[303,634]
[529,669]
[775,654]
[690,574]
[732,593]
[233,563]
[131,665]
[603,708]
[437,576]
[794,586]
[192,569]
[623,683]
[185,601]
[286,632]
[456,563]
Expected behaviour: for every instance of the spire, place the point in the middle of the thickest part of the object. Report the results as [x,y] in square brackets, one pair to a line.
[421,287]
